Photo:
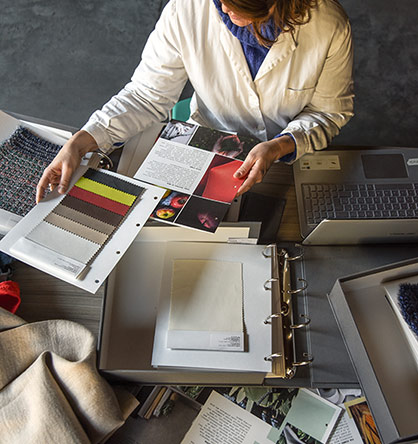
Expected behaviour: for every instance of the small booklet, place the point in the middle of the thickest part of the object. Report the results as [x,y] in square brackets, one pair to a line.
[195,165]
[310,419]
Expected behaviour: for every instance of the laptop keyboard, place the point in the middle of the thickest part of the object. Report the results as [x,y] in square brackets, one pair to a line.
[360,201]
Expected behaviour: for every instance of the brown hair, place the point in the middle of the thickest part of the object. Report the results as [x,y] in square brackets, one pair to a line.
[287,14]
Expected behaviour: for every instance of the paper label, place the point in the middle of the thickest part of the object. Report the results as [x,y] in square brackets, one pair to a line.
[320,163]
[220,341]
[36,255]
[205,340]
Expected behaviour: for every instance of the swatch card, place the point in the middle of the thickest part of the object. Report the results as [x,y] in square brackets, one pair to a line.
[68,235]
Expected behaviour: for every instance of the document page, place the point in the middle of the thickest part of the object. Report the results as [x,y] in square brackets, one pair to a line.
[222,422]
[206,309]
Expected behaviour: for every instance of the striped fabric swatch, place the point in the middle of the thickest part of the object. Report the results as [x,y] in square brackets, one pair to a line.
[89,214]
[85,219]
[99,201]
[63,242]
[92,210]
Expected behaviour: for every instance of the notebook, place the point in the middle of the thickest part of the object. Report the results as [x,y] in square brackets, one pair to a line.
[358,195]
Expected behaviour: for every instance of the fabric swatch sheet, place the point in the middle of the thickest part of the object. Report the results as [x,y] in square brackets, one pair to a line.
[196,166]
[79,237]
[83,221]
[23,158]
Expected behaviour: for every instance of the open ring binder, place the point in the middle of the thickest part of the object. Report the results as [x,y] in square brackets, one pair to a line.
[283,356]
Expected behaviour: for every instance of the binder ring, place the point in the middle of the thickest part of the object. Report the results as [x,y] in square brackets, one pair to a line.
[302,363]
[268,281]
[305,286]
[299,256]
[265,249]
[105,161]
[272,356]
[269,317]
[301,325]
[284,312]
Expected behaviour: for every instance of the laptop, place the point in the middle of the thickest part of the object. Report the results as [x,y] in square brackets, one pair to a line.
[358,195]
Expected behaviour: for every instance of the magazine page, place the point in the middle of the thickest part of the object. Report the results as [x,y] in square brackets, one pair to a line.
[195,165]
[308,419]
[360,417]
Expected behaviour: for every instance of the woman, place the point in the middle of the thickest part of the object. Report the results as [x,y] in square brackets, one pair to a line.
[278,70]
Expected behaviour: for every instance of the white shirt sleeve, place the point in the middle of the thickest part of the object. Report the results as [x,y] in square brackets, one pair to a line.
[331,106]
[154,88]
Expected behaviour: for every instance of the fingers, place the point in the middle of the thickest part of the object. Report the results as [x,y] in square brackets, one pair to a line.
[54,176]
[245,168]
[66,174]
[254,172]
[254,176]
[43,184]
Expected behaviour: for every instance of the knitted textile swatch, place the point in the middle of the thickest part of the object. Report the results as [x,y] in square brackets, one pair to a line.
[23,158]
[408,303]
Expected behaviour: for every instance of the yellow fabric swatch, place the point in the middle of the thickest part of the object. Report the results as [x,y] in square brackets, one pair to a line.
[105,191]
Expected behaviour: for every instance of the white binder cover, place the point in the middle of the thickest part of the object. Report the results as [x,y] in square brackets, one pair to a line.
[257,307]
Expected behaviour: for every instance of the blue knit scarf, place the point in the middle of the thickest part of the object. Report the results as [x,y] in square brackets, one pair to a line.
[253,51]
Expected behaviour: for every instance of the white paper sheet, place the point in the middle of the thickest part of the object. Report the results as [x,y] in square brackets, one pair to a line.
[174,166]
[206,306]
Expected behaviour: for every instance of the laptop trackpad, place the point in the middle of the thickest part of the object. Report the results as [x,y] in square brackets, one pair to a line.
[384,166]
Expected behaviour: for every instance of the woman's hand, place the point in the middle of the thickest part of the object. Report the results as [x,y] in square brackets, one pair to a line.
[260,159]
[59,172]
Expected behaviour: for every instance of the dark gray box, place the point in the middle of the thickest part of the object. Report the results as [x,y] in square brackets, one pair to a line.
[379,351]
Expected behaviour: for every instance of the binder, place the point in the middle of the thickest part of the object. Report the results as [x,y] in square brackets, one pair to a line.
[316,351]
[283,326]
[268,313]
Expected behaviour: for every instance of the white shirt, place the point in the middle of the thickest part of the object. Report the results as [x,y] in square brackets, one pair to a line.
[303,87]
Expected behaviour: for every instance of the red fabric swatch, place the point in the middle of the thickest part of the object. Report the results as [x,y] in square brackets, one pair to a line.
[9,295]
[221,185]
[99,201]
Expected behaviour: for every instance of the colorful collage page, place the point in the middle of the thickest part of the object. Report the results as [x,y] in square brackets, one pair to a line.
[196,166]
[79,226]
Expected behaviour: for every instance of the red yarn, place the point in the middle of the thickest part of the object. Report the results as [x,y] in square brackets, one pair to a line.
[9,295]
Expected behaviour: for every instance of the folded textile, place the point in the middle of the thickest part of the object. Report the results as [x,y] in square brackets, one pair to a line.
[50,389]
